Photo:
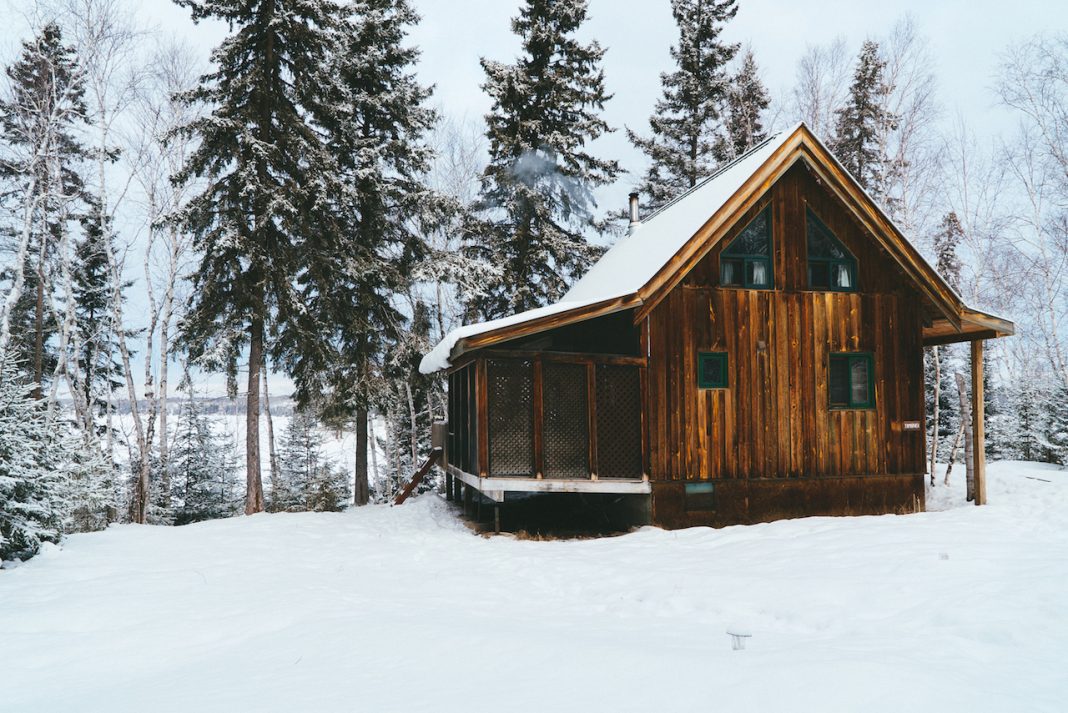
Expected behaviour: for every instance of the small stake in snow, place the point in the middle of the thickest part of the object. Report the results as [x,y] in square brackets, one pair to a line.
[738,639]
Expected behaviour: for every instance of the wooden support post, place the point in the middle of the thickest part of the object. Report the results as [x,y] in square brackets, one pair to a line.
[448,487]
[591,406]
[497,518]
[467,500]
[978,425]
[482,419]
[539,421]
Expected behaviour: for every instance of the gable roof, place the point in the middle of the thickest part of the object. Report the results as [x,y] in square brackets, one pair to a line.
[640,269]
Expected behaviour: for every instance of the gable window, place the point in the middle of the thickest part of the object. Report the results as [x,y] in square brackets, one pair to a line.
[851,380]
[746,261]
[712,370]
[830,265]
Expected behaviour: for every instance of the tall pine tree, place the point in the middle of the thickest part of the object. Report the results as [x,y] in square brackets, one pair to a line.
[537,191]
[687,124]
[41,120]
[747,101]
[863,119]
[377,132]
[264,217]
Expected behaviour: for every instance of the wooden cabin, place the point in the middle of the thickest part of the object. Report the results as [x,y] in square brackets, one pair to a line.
[751,351]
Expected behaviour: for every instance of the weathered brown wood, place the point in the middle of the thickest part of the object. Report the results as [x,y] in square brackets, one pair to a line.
[967,336]
[563,357]
[978,423]
[482,409]
[411,485]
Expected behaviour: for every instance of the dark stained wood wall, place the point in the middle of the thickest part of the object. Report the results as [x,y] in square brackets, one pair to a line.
[775,421]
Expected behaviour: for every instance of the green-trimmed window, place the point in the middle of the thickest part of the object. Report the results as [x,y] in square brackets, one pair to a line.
[712,370]
[830,265]
[700,496]
[746,261]
[851,380]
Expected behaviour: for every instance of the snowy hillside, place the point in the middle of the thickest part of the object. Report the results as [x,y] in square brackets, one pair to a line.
[403,609]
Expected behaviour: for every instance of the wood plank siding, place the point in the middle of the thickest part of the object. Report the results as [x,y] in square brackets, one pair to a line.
[774,419]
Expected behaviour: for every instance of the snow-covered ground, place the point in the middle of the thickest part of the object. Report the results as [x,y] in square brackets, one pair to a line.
[404,609]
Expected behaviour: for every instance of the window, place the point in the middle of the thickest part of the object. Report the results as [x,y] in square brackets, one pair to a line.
[700,496]
[830,265]
[712,370]
[746,262]
[851,381]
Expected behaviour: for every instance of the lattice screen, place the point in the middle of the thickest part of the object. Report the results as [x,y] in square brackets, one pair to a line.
[619,430]
[566,429]
[511,417]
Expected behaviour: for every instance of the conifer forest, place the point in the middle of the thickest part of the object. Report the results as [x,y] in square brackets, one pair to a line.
[230,230]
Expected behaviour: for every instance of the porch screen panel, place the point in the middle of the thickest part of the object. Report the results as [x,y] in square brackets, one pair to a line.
[619,424]
[511,417]
[566,429]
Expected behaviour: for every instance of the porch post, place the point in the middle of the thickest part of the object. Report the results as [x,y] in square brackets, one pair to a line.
[978,423]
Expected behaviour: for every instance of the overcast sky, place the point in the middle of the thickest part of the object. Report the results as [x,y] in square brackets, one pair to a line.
[966,39]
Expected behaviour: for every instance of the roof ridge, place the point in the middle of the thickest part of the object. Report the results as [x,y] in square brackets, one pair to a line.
[714,175]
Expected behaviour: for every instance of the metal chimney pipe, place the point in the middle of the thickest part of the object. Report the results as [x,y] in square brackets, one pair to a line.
[635,220]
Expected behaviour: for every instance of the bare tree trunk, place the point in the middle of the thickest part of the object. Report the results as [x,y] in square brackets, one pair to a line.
[273,454]
[373,446]
[38,318]
[414,425]
[361,494]
[953,453]
[966,427]
[22,255]
[164,359]
[253,480]
[934,419]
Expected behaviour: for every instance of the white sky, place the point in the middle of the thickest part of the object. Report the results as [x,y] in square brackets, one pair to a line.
[966,39]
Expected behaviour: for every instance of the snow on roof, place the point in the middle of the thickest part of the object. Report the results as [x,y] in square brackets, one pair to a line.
[438,357]
[634,260]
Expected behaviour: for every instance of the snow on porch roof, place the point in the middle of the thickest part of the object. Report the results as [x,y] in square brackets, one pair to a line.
[637,257]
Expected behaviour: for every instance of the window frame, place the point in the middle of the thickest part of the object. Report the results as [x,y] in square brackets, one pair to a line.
[746,259]
[724,360]
[831,263]
[849,358]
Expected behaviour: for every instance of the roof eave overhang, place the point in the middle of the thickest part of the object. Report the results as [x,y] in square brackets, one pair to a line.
[541,324]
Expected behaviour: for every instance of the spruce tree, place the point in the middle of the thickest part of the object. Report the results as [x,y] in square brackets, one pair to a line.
[747,101]
[536,201]
[686,126]
[203,473]
[100,370]
[1055,438]
[377,134]
[309,481]
[1030,419]
[41,120]
[862,120]
[265,214]
[34,458]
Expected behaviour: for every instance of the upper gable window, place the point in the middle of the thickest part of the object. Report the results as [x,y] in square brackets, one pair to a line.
[746,262]
[830,265]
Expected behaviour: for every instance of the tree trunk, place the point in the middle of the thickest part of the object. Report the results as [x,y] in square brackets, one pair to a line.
[253,481]
[38,337]
[272,453]
[414,426]
[953,453]
[361,490]
[934,420]
[966,428]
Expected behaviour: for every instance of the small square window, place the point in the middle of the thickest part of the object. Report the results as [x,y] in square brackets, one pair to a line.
[700,496]
[712,370]
[850,381]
